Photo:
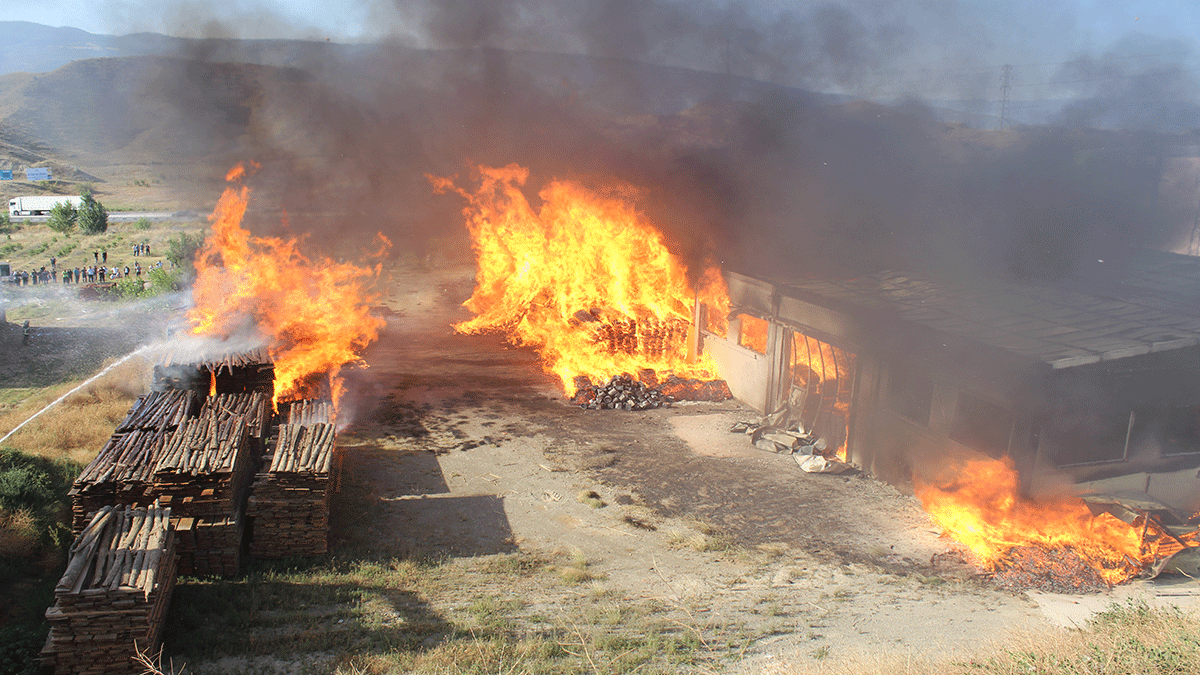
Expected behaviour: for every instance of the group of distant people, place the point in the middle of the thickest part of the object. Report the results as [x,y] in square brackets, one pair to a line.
[84,275]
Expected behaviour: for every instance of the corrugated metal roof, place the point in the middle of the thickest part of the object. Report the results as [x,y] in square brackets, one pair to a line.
[1156,307]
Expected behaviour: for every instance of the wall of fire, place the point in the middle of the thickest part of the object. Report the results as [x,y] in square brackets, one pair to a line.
[900,399]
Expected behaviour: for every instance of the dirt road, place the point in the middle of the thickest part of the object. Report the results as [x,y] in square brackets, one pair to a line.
[466,448]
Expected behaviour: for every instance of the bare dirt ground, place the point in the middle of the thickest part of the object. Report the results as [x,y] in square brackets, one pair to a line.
[466,448]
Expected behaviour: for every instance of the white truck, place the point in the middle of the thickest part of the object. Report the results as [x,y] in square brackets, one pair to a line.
[39,205]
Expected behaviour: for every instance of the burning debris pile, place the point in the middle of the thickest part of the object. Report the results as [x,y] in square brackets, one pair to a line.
[115,592]
[591,286]
[624,392]
[1059,544]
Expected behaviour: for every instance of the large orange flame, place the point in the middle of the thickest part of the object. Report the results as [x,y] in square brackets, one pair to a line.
[313,311]
[584,279]
[980,506]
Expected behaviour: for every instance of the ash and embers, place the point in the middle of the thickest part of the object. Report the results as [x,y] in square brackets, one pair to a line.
[1049,570]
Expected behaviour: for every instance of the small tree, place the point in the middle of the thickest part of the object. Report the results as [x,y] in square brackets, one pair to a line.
[63,217]
[182,252]
[6,226]
[93,217]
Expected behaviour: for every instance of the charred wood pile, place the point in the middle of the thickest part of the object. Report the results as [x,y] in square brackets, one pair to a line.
[122,472]
[645,392]
[114,593]
[203,472]
[290,505]
[231,373]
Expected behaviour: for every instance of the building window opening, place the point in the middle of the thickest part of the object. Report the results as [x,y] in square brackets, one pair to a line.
[753,334]
[1087,437]
[982,425]
[715,321]
[1175,430]
[910,395]
[822,389]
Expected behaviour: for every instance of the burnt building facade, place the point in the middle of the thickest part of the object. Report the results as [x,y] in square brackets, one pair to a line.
[1098,383]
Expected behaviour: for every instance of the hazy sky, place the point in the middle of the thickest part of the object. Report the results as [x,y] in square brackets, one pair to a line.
[914,45]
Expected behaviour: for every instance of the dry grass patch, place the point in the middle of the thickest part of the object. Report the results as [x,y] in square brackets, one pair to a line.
[77,427]
[19,534]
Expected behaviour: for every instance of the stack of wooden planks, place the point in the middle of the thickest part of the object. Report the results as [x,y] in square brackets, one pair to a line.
[290,504]
[122,472]
[114,593]
[159,410]
[306,412]
[203,473]
[254,407]
[226,372]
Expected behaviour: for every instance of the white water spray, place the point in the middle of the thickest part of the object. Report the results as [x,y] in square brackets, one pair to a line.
[90,380]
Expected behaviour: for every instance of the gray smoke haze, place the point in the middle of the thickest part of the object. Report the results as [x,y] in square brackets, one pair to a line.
[713,111]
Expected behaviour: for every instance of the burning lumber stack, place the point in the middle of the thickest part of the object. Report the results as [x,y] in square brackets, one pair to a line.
[203,473]
[228,373]
[122,473]
[290,505]
[114,593]
[645,392]
[307,412]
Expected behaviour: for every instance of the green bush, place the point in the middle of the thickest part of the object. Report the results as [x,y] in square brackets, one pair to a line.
[19,646]
[37,485]
[63,217]
[182,252]
[93,217]
[143,224]
[159,281]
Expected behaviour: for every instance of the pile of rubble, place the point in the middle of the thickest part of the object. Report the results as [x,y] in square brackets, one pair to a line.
[645,392]
[810,451]
[114,594]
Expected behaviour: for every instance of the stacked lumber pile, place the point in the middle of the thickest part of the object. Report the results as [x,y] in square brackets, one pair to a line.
[203,473]
[114,593]
[159,410]
[230,372]
[122,472]
[290,505]
[254,407]
[307,412]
